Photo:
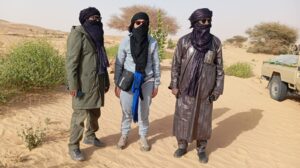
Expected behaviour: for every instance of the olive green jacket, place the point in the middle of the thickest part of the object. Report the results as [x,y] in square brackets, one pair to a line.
[81,70]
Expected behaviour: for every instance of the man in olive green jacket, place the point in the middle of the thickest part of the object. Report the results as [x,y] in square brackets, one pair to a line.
[86,65]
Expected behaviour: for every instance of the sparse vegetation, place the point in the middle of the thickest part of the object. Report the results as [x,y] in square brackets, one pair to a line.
[112,51]
[33,136]
[271,38]
[236,41]
[241,70]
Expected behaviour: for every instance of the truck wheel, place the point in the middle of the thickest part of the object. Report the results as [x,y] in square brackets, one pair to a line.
[278,89]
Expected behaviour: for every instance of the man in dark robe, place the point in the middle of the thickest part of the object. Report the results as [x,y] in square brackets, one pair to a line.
[197,79]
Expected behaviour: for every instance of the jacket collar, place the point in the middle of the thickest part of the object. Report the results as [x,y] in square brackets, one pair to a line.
[81,29]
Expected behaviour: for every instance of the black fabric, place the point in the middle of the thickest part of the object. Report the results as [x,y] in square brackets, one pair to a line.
[95,30]
[195,74]
[201,39]
[139,15]
[200,14]
[139,42]
[126,80]
[201,36]
[86,13]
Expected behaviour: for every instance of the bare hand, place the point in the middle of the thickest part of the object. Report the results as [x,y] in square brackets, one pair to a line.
[154,92]
[175,91]
[117,91]
[73,93]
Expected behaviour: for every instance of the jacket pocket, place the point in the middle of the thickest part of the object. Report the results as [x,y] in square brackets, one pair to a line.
[88,82]
[210,57]
[207,80]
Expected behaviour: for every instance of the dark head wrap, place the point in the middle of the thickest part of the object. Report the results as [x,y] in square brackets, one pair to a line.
[201,40]
[139,41]
[86,13]
[94,29]
[200,14]
[137,16]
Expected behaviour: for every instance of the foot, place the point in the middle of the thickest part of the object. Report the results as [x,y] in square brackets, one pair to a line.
[202,157]
[180,152]
[76,155]
[94,141]
[144,144]
[122,142]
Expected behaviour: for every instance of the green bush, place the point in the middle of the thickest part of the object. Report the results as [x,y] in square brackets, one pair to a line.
[32,64]
[112,51]
[5,94]
[160,34]
[271,38]
[242,70]
[1,70]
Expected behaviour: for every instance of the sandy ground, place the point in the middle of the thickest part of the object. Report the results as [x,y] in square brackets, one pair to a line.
[249,129]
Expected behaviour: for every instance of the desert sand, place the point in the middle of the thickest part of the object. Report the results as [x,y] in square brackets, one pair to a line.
[250,130]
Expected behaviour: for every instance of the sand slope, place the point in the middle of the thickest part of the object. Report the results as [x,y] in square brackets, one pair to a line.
[13,33]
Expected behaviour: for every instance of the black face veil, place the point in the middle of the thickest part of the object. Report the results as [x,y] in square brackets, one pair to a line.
[139,41]
[201,40]
[95,30]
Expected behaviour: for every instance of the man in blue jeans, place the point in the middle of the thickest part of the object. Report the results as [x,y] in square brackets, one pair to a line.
[138,53]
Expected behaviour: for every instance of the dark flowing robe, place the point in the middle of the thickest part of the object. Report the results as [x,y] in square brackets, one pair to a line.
[193,115]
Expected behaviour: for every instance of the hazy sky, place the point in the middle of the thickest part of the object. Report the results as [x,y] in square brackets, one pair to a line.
[230,17]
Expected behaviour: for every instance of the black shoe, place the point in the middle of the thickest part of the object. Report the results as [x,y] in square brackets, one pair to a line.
[180,152]
[202,157]
[76,155]
[94,141]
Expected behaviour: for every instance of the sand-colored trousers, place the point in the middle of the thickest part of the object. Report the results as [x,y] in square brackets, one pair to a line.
[77,125]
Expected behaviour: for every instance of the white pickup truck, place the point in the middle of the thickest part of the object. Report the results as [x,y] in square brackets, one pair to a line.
[283,74]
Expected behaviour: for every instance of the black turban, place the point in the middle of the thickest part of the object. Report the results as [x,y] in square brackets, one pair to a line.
[137,16]
[201,39]
[200,14]
[86,13]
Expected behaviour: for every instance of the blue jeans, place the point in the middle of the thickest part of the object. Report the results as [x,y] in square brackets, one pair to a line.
[143,110]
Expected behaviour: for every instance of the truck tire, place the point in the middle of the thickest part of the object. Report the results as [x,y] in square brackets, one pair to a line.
[278,89]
